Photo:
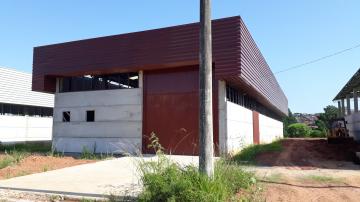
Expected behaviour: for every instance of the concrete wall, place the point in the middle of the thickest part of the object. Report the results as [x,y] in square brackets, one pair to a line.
[353,125]
[239,127]
[270,129]
[117,127]
[25,128]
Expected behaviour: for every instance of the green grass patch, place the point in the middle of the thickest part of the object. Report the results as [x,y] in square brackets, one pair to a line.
[12,158]
[321,179]
[249,153]
[164,180]
[30,147]
[274,177]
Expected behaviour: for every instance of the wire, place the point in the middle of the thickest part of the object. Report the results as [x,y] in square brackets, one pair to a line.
[317,60]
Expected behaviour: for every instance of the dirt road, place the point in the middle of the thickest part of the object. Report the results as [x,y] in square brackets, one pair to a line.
[309,170]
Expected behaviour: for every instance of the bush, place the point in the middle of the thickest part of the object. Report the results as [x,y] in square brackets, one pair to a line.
[249,153]
[298,130]
[167,181]
[164,180]
[317,133]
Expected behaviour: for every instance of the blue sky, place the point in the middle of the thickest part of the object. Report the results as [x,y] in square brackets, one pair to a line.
[287,32]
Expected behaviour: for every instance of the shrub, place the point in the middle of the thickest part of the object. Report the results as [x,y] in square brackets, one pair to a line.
[317,133]
[249,153]
[164,180]
[298,130]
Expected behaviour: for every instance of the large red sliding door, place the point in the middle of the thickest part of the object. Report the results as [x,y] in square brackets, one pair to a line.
[171,105]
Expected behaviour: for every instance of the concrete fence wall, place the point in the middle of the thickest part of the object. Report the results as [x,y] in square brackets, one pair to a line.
[117,127]
[270,129]
[25,128]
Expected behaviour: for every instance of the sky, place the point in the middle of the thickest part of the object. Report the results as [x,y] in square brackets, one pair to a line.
[288,33]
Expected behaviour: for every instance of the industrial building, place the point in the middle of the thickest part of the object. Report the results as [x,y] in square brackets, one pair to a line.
[347,95]
[25,115]
[112,92]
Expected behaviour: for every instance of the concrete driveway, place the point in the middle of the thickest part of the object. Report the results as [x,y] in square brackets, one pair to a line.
[117,176]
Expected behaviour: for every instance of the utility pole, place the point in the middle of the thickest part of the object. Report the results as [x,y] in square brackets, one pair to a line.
[206,154]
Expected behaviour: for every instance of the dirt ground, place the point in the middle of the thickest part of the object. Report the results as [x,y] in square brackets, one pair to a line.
[36,163]
[310,170]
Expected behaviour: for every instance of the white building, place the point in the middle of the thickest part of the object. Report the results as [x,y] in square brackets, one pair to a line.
[348,105]
[25,115]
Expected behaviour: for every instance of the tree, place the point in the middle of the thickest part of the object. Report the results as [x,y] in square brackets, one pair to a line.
[206,153]
[290,119]
[330,112]
[298,130]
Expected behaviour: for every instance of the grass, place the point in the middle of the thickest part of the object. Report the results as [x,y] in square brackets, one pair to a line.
[36,147]
[164,180]
[321,179]
[249,153]
[274,177]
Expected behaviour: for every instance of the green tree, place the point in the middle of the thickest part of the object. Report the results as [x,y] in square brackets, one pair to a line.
[321,126]
[330,112]
[288,120]
[298,130]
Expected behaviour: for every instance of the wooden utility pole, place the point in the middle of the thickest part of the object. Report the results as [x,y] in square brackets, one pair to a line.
[206,161]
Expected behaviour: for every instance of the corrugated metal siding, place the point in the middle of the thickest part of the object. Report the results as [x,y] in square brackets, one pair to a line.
[153,49]
[257,73]
[15,88]
[164,48]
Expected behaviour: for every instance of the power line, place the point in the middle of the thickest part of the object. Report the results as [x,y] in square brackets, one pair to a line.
[318,59]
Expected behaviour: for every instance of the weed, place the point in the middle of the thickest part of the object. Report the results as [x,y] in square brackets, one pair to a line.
[164,180]
[87,154]
[274,177]
[27,147]
[249,153]
[6,161]
[321,179]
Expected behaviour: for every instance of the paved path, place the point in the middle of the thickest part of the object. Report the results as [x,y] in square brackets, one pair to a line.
[117,176]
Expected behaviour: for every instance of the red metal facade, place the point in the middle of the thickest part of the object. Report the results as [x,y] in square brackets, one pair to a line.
[171,111]
[256,128]
[236,57]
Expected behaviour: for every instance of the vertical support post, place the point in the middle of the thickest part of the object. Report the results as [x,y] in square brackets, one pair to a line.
[343,106]
[356,103]
[348,108]
[339,109]
[206,153]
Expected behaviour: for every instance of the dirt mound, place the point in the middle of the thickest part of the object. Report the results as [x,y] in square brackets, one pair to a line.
[309,153]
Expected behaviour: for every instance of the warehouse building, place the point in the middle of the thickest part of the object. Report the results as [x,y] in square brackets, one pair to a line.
[24,115]
[348,105]
[112,92]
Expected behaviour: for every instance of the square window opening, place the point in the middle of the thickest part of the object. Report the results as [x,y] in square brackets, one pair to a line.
[90,116]
[66,116]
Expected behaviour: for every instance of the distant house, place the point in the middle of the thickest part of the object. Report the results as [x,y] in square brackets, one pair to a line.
[348,105]
[112,92]
[24,115]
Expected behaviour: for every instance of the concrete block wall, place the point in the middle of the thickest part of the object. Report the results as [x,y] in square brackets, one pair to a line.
[353,125]
[239,127]
[117,127]
[25,128]
[270,129]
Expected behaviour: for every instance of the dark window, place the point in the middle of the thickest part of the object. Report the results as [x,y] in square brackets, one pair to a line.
[90,116]
[238,97]
[99,82]
[66,116]
[25,110]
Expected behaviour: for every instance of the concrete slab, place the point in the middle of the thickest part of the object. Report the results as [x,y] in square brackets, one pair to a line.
[117,176]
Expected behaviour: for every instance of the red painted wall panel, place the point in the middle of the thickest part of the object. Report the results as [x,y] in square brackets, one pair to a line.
[171,111]
[256,128]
